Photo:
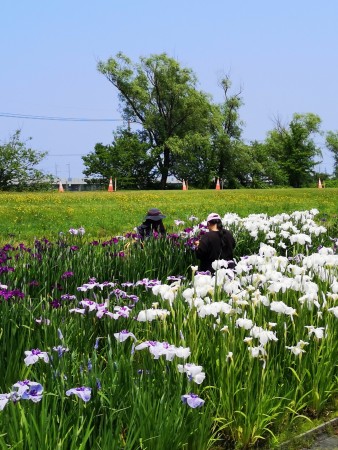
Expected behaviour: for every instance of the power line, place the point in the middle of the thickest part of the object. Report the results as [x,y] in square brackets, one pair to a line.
[59,119]
[69,154]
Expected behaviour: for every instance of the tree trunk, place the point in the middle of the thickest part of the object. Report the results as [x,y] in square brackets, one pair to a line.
[165,168]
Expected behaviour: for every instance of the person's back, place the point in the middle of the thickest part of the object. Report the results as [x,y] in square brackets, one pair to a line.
[217,243]
[152,224]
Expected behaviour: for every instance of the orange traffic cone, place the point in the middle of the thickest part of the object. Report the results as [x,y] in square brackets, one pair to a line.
[110,187]
[319,184]
[184,186]
[218,187]
[60,187]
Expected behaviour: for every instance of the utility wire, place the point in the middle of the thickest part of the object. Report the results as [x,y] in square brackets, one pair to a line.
[59,119]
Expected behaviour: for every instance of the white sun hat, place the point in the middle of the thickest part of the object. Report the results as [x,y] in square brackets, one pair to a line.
[213,216]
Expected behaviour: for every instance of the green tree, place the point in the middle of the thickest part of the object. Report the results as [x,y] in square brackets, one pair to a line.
[332,144]
[161,97]
[18,166]
[194,160]
[202,158]
[126,158]
[226,138]
[264,169]
[294,149]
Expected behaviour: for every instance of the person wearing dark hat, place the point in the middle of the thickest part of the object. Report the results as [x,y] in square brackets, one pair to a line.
[152,223]
[217,243]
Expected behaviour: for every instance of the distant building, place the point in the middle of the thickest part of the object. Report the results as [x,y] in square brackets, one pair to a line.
[76,184]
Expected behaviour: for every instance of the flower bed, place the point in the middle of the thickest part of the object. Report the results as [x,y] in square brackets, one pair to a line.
[120,345]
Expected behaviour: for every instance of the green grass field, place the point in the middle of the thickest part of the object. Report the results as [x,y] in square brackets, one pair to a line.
[104,214]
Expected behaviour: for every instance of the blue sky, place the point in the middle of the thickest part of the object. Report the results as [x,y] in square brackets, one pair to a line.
[283,55]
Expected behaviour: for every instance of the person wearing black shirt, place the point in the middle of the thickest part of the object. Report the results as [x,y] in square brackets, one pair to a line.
[217,243]
[152,223]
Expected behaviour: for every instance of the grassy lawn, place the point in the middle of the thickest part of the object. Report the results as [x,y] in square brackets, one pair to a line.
[104,214]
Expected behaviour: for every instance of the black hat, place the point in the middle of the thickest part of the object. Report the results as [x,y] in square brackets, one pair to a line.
[154,214]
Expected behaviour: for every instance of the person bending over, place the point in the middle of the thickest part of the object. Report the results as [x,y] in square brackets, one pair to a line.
[152,223]
[217,243]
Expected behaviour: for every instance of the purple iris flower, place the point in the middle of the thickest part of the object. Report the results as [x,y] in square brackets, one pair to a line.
[67,275]
[96,345]
[68,297]
[173,236]
[27,390]
[55,303]
[4,399]
[123,335]
[74,248]
[34,392]
[192,400]
[32,356]
[21,386]
[175,277]
[6,269]
[8,247]
[8,294]
[119,293]
[61,350]
[83,393]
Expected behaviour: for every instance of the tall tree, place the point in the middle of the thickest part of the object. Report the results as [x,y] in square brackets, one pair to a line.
[294,148]
[332,145]
[18,166]
[127,159]
[227,145]
[161,97]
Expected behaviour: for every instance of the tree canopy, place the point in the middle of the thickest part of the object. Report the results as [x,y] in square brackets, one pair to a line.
[294,149]
[126,158]
[162,98]
[173,128]
[332,145]
[18,166]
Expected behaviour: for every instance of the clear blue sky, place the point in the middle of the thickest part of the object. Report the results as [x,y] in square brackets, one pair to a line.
[282,54]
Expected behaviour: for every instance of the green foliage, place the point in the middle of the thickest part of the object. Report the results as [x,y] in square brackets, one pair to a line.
[18,167]
[127,158]
[294,149]
[194,160]
[161,97]
[230,156]
[331,183]
[183,133]
[136,398]
[332,145]
[264,170]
